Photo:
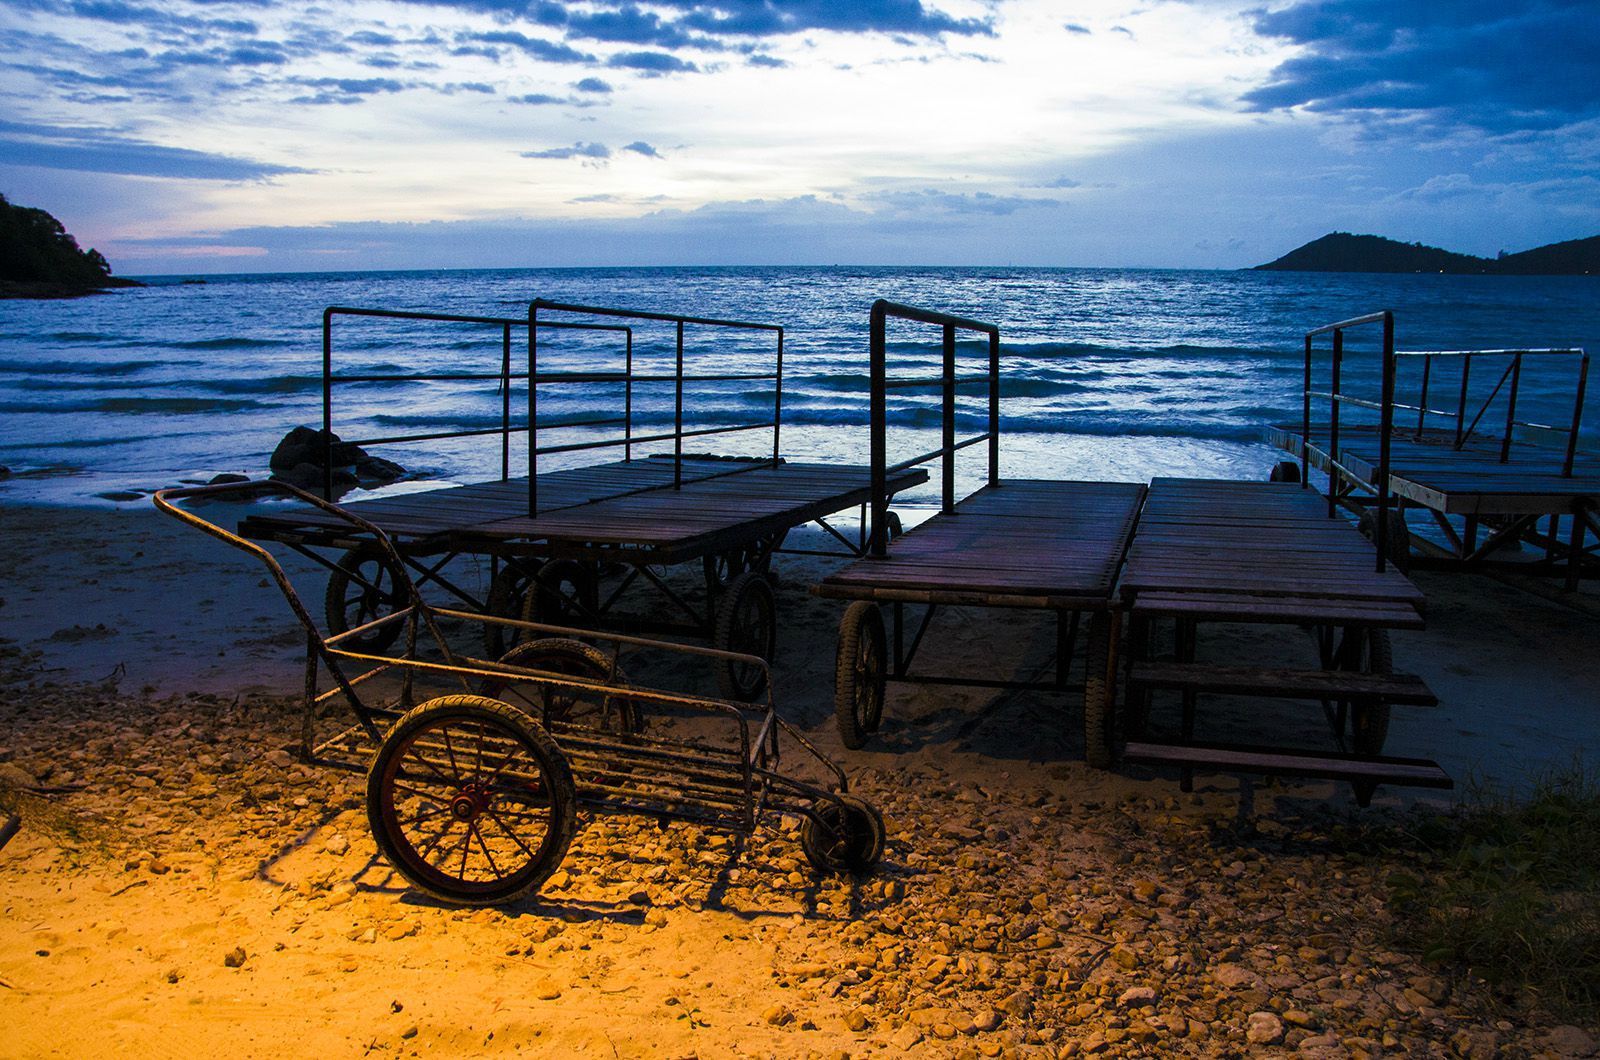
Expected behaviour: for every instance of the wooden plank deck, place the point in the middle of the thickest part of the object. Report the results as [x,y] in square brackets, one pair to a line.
[1024,543]
[1237,548]
[1470,481]
[625,503]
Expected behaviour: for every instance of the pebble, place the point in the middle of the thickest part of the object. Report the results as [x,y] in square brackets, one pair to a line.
[1263,1028]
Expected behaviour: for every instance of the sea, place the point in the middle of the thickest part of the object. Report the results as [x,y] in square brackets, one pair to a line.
[1110,374]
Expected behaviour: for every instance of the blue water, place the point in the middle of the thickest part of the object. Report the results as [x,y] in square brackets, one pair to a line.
[1107,373]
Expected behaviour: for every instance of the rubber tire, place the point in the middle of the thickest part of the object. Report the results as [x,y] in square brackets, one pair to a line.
[506,598]
[854,679]
[562,823]
[857,850]
[1399,536]
[557,580]
[566,658]
[1099,694]
[735,681]
[1285,471]
[336,598]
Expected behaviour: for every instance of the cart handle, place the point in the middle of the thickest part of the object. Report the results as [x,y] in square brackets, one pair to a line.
[164,500]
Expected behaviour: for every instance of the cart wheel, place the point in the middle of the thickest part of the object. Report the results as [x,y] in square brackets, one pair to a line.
[565,593]
[860,668]
[843,836]
[896,527]
[1399,544]
[364,586]
[720,568]
[506,597]
[1285,471]
[745,622]
[566,706]
[1099,693]
[471,800]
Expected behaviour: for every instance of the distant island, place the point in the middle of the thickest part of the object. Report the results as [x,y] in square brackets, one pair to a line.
[40,259]
[1343,252]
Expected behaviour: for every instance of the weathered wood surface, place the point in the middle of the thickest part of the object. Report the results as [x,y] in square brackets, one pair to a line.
[1472,480]
[1023,543]
[1408,689]
[1266,546]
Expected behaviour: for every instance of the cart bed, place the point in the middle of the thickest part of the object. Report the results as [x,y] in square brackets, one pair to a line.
[1021,543]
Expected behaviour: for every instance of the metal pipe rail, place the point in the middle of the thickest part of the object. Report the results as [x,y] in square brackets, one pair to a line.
[1336,397]
[947,381]
[677,378]
[503,377]
[1513,374]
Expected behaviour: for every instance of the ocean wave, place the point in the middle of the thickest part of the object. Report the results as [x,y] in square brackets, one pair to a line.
[10,367]
[164,406]
[231,343]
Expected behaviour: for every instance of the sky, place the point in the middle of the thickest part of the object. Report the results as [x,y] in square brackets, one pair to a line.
[222,136]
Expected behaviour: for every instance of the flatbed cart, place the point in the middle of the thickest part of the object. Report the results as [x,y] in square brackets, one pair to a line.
[1014,543]
[1211,552]
[476,768]
[1499,490]
[568,546]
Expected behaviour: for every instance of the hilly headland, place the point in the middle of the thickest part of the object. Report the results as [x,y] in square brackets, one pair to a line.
[39,258]
[1344,252]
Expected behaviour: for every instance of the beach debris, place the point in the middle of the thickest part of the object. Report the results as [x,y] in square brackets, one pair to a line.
[305,454]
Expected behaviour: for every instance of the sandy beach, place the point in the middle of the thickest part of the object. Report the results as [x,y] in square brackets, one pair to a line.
[183,885]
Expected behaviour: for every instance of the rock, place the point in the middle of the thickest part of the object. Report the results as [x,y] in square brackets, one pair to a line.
[1137,997]
[377,470]
[227,476]
[546,990]
[1235,977]
[1263,1028]
[1567,1040]
[857,1020]
[777,1016]
[1475,1045]
[303,445]
[986,1019]
[410,1032]
[337,844]
[906,1038]
[234,958]
[309,477]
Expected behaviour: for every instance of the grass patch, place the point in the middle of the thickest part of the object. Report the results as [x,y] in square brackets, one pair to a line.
[1508,890]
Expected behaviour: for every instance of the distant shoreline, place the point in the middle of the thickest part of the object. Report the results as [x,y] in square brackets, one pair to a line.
[42,290]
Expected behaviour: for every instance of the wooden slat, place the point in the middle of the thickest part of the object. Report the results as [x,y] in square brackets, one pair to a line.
[1225,758]
[1407,689]
[1226,607]
[1014,544]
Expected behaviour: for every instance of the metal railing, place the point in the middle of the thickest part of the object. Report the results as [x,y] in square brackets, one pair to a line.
[1512,374]
[1336,398]
[947,382]
[678,378]
[503,377]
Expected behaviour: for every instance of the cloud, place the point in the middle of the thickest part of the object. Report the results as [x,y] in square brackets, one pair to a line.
[345,90]
[577,150]
[1073,27]
[594,85]
[641,148]
[767,61]
[1495,65]
[538,99]
[92,151]
[537,47]
[652,63]
[1061,182]
[965,203]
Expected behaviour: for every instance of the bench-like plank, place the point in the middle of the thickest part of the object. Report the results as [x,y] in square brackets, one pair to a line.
[1406,689]
[1229,758]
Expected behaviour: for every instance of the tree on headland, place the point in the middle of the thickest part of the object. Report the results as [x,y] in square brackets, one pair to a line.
[39,257]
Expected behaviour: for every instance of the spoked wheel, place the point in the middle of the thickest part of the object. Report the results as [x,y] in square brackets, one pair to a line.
[471,801]
[1398,546]
[565,593]
[1285,471]
[746,622]
[363,587]
[843,836]
[558,705]
[860,670]
[721,568]
[1099,693]
[506,598]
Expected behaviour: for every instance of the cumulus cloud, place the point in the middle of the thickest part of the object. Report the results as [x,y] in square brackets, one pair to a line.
[639,147]
[538,47]
[652,63]
[1495,65]
[594,85]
